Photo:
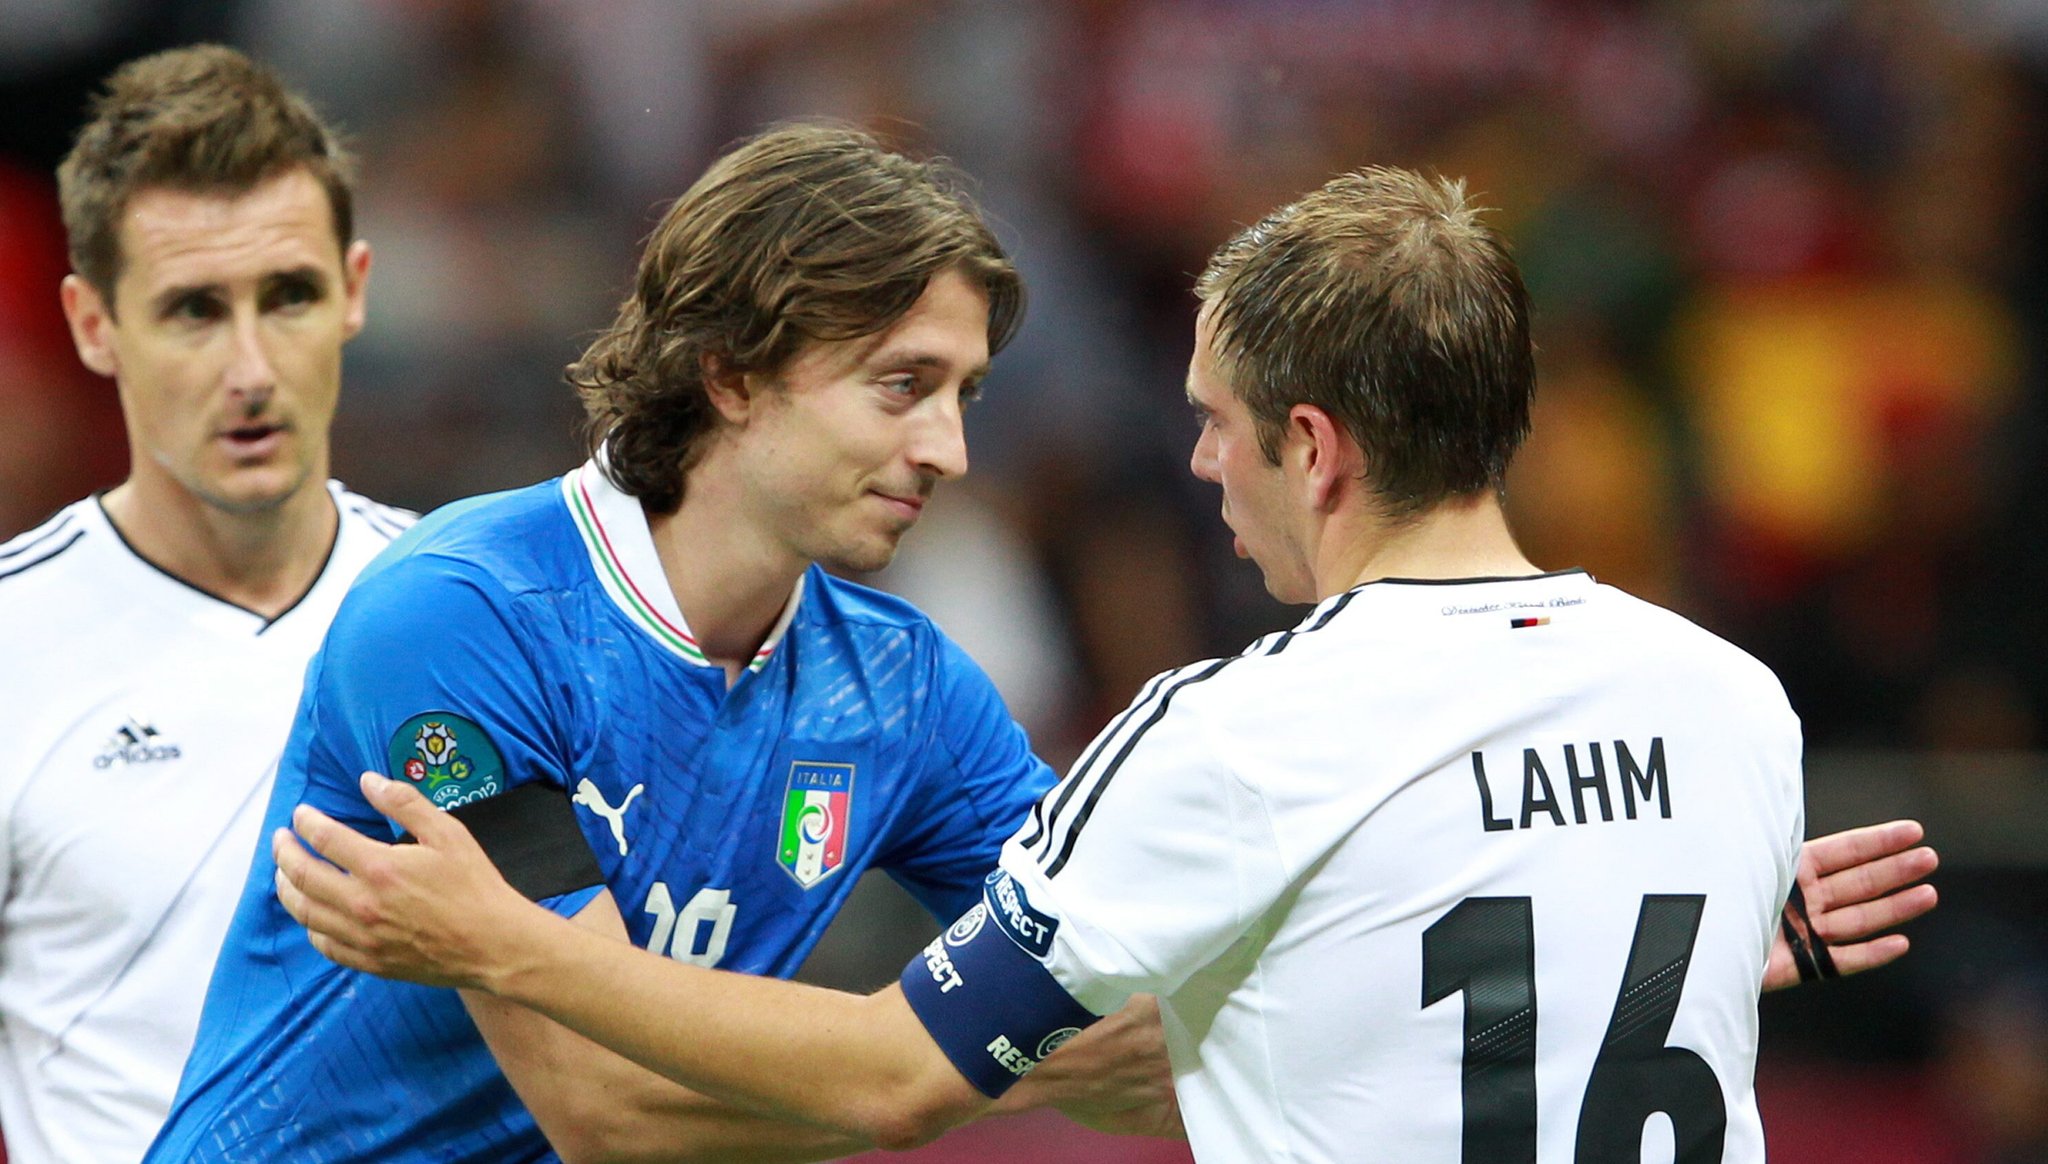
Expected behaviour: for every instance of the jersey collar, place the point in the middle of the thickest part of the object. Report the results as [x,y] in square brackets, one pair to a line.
[202,607]
[1526,596]
[621,548]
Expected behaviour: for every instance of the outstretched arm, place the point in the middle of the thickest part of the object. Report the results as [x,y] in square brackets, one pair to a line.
[438,912]
[594,1105]
[1853,885]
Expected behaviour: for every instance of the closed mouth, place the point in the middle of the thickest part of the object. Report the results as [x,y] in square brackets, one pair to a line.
[914,502]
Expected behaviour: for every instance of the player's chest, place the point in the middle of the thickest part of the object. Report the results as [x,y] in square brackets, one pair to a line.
[737,855]
[130,779]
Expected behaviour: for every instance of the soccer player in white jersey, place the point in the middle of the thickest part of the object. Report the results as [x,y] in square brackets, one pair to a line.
[154,637]
[1477,863]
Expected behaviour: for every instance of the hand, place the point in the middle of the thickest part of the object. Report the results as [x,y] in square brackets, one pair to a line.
[1112,1077]
[420,912]
[1857,883]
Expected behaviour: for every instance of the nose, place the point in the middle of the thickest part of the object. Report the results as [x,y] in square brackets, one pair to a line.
[249,375]
[941,446]
[1202,462]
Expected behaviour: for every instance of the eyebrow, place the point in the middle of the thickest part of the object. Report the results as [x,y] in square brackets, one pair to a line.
[917,359]
[165,299]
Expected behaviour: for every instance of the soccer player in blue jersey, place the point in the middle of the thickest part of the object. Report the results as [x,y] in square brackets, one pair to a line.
[638,687]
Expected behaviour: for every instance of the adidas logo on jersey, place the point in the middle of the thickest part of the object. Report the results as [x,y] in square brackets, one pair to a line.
[134,742]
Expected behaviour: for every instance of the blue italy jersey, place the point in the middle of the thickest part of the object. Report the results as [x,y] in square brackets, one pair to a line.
[531,636]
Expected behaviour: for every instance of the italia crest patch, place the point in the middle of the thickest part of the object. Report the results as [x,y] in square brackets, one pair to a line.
[447,757]
[816,814]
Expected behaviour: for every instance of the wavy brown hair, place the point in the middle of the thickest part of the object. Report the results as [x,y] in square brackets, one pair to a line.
[203,119]
[801,234]
[1384,300]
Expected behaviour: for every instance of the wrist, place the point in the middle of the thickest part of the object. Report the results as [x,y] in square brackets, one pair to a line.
[511,951]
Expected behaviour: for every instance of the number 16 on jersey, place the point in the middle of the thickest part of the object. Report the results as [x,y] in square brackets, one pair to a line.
[1485,948]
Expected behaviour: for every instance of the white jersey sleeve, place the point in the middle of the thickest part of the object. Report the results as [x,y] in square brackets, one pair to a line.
[1154,853]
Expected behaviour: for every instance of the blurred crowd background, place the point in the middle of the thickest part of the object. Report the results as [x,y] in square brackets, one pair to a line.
[1790,267]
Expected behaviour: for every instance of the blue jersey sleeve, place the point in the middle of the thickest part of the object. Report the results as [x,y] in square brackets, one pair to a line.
[428,676]
[979,780]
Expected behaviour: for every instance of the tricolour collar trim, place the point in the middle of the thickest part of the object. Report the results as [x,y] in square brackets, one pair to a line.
[615,534]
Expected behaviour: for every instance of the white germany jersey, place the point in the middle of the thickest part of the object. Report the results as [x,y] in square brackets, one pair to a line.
[1449,874]
[140,722]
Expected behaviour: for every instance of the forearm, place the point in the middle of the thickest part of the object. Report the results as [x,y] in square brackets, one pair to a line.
[596,1106]
[862,1065]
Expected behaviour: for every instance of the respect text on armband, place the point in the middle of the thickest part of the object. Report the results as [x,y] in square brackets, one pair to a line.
[961,932]
[1030,928]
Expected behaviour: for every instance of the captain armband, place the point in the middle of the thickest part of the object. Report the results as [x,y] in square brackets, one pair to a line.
[986,999]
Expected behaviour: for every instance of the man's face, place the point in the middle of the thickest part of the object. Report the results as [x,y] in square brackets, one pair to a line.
[1257,501]
[843,450]
[225,337]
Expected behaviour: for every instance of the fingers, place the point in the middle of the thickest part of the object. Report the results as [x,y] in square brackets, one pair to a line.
[403,803]
[430,826]
[1838,851]
[1850,922]
[1861,956]
[1874,878]
[315,893]
[335,841]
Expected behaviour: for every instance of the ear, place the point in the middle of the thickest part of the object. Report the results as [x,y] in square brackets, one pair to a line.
[92,325]
[355,280]
[1321,456]
[733,392]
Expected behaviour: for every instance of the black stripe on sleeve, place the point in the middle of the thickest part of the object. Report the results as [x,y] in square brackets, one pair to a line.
[1321,622]
[387,527]
[1095,794]
[25,567]
[1041,824]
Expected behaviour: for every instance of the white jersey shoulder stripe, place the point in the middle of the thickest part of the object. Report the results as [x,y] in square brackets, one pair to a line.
[1202,673]
[41,535]
[43,552]
[1154,701]
[381,520]
[1079,770]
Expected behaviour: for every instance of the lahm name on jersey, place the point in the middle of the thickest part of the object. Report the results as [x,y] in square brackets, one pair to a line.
[1587,791]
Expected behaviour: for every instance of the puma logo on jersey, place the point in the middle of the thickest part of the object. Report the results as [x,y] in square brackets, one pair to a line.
[1641,784]
[135,742]
[589,797]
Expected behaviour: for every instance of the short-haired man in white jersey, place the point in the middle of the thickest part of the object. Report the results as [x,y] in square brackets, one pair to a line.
[1477,863]
[154,637]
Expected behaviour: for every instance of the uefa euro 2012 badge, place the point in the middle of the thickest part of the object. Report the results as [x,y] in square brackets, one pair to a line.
[447,757]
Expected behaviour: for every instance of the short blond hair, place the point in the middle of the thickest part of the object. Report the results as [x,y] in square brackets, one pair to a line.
[1383,299]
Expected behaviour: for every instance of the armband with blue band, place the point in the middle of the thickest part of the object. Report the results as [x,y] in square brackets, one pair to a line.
[987,1000]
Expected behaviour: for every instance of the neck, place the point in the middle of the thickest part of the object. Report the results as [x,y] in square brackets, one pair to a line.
[263,562]
[1465,537]
[730,582]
